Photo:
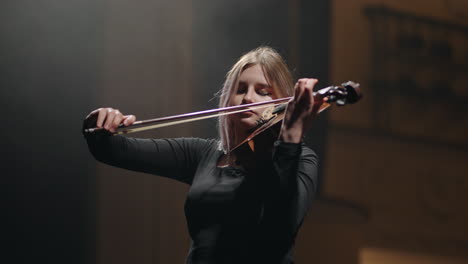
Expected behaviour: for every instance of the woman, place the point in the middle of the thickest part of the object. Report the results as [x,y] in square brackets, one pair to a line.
[238,209]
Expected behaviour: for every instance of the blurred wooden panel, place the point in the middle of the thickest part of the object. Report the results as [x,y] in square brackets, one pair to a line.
[328,243]
[412,68]
[411,190]
[386,256]
[401,152]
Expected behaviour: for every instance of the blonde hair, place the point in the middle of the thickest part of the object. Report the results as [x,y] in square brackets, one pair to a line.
[277,74]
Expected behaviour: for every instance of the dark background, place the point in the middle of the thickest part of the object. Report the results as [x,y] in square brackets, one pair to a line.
[49,54]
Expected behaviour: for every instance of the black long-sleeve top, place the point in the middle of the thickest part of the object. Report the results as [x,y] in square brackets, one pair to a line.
[233,216]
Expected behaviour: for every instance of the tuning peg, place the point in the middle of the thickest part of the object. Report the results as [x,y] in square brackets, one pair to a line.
[340,102]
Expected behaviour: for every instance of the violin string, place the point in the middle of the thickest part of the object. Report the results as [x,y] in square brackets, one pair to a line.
[228,110]
[127,130]
[190,117]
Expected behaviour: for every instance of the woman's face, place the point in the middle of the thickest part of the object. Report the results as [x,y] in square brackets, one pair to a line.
[252,88]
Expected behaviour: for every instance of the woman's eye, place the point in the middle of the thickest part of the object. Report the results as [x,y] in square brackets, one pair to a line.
[264,92]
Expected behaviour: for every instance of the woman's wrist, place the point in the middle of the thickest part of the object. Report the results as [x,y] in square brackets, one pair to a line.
[291,135]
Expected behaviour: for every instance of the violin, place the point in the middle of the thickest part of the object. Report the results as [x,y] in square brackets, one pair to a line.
[346,93]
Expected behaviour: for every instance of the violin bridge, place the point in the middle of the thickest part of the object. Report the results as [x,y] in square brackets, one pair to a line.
[267,115]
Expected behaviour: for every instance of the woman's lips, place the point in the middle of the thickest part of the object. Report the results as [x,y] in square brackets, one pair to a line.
[247,114]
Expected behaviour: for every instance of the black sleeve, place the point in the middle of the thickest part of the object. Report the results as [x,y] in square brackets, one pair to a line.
[173,158]
[289,187]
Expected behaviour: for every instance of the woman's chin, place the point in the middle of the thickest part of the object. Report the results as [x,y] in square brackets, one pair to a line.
[248,124]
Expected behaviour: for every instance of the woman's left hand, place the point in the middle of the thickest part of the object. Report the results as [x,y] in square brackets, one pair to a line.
[300,111]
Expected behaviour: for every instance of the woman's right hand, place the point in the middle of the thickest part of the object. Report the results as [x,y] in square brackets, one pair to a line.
[108,119]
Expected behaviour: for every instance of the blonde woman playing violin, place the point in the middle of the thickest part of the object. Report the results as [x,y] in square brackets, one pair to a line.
[238,209]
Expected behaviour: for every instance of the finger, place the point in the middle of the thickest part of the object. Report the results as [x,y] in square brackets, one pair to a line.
[94,112]
[302,103]
[309,97]
[117,120]
[305,87]
[309,86]
[128,120]
[109,119]
[308,94]
[101,116]
[296,90]
[311,82]
[300,88]
[318,104]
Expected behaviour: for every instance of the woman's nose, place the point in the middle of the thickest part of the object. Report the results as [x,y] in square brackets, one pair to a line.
[248,97]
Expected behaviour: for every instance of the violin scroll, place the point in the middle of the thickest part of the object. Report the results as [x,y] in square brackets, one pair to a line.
[346,93]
